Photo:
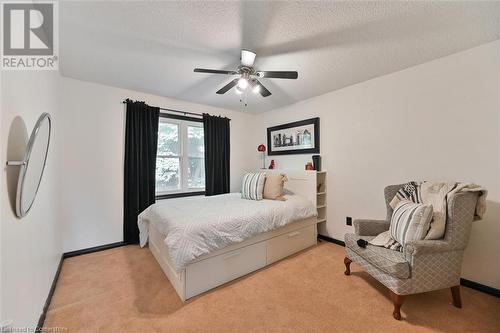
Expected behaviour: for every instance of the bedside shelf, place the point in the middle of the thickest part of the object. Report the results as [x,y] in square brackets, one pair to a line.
[321,198]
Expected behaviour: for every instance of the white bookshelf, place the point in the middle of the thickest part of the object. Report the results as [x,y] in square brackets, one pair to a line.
[321,198]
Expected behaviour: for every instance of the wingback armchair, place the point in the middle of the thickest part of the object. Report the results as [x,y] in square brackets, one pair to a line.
[424,265]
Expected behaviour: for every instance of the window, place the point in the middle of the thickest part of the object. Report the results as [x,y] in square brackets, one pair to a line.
[180,161]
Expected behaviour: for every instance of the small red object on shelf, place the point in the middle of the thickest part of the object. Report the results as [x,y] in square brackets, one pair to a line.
[261,148]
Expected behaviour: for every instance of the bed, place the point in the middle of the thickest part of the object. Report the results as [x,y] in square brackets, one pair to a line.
[203,242]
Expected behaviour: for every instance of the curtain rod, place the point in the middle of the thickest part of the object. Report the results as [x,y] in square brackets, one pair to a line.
[170,110]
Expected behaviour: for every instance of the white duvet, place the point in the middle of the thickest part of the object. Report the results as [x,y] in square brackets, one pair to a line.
[199,225]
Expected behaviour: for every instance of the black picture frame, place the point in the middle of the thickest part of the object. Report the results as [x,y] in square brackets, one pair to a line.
[314,150]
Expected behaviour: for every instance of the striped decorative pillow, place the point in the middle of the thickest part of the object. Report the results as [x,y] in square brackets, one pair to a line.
[252,186]
[410,221]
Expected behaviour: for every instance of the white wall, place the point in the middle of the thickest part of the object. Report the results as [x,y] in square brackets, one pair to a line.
[80,201]
[30,247]
[92,127]
[2,186]
[439,120]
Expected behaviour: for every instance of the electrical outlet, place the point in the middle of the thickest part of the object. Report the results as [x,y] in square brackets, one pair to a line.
[348,220]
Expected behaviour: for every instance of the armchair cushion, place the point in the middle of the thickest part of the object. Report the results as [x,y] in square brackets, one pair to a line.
[392,262]
[370,227]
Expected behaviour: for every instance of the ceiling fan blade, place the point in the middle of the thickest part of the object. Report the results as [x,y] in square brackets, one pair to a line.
[263,90]
[214,71]
[247,58]
[228,86]
[278,74]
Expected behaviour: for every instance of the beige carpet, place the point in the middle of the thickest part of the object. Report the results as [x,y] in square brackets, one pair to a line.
[124,290]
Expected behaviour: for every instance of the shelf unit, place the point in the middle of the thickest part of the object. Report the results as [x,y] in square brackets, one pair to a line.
[321,198]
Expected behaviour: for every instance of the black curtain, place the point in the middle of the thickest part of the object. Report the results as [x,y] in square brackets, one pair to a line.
[141,138]
[216,132]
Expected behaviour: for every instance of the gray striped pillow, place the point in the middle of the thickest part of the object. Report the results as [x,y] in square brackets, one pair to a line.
[410,221]
[252,186]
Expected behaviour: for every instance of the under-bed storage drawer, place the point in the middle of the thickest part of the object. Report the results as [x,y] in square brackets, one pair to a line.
[209,273]
[289,243]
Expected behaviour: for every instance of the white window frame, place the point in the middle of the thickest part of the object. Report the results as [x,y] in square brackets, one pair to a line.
[183,125]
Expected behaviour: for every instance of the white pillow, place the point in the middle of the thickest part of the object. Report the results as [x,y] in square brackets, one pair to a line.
[252,186]
[410,221]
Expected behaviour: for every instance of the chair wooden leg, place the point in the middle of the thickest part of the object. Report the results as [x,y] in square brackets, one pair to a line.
[347,263]
[457,300]
[398,301]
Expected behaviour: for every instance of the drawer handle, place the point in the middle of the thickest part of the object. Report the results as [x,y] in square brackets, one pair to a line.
[231,255]
[293,234]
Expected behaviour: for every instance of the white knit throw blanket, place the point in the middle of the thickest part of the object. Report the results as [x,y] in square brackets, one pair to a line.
[437,194]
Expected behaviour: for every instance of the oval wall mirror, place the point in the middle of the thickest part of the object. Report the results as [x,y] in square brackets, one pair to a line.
[32,165]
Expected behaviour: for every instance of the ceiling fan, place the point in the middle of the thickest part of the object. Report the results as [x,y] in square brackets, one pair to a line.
[248,76]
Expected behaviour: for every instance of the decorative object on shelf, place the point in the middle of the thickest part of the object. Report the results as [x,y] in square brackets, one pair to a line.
[299,137]
[32,165]
[272,165]
[309,166]
[317,162]
[262,149]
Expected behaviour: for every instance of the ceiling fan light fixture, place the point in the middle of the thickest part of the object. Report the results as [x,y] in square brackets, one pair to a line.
[246,77]
[247,58]
[242,83]
[256,89]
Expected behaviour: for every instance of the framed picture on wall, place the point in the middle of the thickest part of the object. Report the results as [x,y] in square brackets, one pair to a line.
[299,137]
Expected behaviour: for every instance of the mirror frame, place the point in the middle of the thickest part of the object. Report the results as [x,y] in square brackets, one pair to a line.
[22,211]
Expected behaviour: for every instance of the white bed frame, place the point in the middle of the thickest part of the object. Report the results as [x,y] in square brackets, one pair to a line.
[216,268]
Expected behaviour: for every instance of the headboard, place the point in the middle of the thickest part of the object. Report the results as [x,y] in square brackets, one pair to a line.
[302,182]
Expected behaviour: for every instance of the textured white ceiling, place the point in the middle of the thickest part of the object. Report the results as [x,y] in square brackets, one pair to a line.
[154,46]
